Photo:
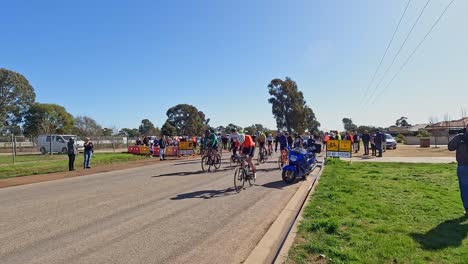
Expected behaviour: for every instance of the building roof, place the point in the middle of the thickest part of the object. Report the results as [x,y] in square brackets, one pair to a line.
[460,123]
[417,127]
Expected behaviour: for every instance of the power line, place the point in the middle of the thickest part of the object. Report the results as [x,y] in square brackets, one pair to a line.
[385,53]
[414,51]
[398,52]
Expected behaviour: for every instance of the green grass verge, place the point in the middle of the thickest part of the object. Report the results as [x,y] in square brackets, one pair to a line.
[41,164]
[384,213]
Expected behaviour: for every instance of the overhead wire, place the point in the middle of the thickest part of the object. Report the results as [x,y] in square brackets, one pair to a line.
[396,55]
[385,53]
[414,51]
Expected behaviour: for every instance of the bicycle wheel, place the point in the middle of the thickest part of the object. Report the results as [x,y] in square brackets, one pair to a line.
[265,155]
[205,163]
[239,179]
[217,164]
[248,176]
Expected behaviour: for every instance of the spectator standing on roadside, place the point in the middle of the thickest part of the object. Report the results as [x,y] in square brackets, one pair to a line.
[162,148]
[356,142]
[88,152]
[326,137]
[72,152]
[298,141]
[138,141]
[365,140]
[460,144]
[378,142]
[146,141]
[384,142]
[373,147]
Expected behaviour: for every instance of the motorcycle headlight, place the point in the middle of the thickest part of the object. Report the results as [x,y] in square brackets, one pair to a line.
[292,158]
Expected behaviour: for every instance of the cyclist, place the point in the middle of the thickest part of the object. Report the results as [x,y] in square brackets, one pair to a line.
[248,149]
[270,144]
[211,142]
[234,136]
[282,141]
[261,138]
[253,136]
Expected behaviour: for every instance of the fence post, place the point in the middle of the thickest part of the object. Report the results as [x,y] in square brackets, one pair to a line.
[13,148]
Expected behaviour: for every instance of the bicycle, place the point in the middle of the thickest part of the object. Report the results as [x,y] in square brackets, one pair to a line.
[262,155]
[241,174]
[234,160]
[209,161]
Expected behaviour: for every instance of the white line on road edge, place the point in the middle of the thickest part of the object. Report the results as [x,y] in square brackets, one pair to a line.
[270,246]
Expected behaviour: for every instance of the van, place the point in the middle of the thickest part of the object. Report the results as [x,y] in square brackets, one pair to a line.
[58,143]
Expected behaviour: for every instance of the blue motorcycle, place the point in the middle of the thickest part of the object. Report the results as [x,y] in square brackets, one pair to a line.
[301,163]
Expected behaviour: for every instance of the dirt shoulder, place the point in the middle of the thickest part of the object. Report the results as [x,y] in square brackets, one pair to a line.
[15,181]
[414,151]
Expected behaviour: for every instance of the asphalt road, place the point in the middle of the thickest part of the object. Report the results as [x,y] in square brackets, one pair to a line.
[170,212]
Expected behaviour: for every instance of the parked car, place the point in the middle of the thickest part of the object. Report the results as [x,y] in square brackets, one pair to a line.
[390,142]
[58,143]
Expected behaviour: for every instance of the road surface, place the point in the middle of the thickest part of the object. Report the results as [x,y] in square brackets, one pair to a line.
[170,212]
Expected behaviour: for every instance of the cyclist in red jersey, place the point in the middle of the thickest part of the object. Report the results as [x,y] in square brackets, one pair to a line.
[248,149]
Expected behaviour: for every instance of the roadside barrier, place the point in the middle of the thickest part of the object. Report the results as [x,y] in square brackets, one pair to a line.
[144,150]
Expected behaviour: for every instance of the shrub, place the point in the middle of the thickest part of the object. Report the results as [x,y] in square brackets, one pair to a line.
[423,133]
[400,138]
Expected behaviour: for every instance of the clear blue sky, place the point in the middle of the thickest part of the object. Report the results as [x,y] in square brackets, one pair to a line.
[122,61]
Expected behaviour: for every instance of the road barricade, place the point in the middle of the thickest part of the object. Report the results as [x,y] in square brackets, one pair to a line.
[144,150]
[134,149]
[156,151]
[171,151]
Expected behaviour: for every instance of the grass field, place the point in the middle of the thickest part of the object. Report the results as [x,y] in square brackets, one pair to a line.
[384,213]
[41,164]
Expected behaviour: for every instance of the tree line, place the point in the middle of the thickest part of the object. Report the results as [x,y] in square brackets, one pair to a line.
[20,114]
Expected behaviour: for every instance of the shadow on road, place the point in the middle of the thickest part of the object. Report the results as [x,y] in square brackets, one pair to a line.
[449,233]
[187,173]
[180,173]
[275,185]
[270,169]
[187,162]
[205,194]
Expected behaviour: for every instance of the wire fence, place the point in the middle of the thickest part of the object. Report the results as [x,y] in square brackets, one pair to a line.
[57,144]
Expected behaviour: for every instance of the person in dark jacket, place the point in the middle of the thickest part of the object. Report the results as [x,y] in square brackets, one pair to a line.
[162,148]
[379,141]
[88,152]
[290,139]
[72,152]
[356,142]
[146,141]
[460,144]
[282,141]
[365,141]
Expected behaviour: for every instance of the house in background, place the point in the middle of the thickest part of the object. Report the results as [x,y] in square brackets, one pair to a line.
[447,128]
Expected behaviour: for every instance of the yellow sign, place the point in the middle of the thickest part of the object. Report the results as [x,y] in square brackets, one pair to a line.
[339,148]
[185,145]
[332,145]
[345,146]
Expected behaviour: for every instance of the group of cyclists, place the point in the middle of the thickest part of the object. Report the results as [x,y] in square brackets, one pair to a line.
[245,143]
